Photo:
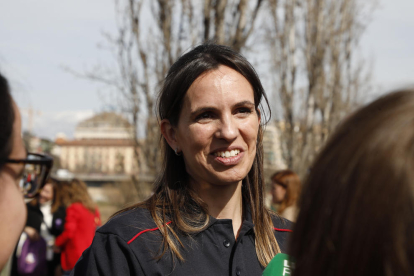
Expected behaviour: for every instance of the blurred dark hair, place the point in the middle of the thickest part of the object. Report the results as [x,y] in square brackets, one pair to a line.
[357,205]
[6,121]
[172,199]
[291,182]
[65,193]
[57,194]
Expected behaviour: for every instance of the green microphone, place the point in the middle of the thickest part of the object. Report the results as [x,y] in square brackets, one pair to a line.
[280,265]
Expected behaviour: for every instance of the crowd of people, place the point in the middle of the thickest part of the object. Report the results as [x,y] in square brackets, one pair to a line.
[45,220]
[62,217]
[354,212]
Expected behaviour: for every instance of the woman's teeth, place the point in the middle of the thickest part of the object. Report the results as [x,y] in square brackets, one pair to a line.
[227,153]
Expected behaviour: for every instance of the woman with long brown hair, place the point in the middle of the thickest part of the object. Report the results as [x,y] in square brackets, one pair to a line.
[285,191]
[81,222]
[357,205]
[207,215]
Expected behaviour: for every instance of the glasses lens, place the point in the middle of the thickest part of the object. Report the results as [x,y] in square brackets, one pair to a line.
[33,177]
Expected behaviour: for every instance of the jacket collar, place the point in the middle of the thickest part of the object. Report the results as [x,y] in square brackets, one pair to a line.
[247,224]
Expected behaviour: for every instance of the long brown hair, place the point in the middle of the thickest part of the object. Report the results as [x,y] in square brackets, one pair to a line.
[78,193]
[172,199]
[357,205]
[65,194]
[57,195]
[291,182]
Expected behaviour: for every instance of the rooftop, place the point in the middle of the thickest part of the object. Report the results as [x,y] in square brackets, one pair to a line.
[105,119]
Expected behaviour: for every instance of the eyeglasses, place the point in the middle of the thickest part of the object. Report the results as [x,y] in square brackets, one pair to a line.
[36,170]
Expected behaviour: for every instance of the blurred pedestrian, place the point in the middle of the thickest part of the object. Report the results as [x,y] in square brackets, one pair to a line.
[357,206]
[20,172]
[53,212]
[82,219]
[285,191]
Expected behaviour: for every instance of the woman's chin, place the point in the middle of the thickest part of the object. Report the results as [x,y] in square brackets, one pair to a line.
[229,180]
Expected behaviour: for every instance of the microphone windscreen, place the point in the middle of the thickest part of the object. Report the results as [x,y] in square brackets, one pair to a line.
[280,265]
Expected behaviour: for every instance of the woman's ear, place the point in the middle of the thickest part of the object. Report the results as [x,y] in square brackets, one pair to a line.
[168,132]
[259,114]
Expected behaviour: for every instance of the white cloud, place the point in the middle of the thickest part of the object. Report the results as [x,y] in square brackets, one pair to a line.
[47,124]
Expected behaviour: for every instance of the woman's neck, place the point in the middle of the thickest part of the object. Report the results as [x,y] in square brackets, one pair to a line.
[47,203]
[223,201]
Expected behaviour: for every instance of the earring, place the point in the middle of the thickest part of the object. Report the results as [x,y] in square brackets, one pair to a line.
[176,152]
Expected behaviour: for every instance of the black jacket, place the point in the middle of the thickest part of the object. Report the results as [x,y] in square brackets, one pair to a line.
[35,219]
[129,243]
[58,221]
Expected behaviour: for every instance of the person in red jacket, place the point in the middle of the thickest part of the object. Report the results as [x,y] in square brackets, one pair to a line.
[82,219]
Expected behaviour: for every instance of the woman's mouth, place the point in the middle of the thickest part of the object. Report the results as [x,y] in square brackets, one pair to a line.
[228,157]
[227,153]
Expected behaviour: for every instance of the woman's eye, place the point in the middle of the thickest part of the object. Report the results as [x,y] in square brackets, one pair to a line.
[204,116]
[244,110]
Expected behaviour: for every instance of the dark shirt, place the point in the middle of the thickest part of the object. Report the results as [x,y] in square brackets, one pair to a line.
[130,242]
[58,221]
[34,217]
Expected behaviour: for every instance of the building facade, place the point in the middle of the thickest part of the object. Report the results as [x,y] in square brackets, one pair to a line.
[102,144]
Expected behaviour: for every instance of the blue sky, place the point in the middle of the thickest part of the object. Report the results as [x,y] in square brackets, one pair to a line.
[38,38]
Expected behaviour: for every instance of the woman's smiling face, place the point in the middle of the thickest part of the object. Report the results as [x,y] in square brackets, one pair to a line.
[218,127]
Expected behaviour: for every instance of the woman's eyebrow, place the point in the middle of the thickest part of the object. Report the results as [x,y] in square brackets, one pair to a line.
[244,103]
[211,108]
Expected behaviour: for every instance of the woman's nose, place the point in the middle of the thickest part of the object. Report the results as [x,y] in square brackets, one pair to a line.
[228,129]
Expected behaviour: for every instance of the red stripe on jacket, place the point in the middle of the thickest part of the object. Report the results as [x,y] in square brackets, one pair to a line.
[156,228]
[282,230]
[143,231]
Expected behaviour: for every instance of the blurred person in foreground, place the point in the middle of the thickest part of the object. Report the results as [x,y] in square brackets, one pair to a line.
[207,215]
[357,205]
[20,172]
[285,192]
[82,219]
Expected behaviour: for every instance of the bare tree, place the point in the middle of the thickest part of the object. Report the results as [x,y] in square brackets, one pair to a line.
[318,78]
[311,45]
